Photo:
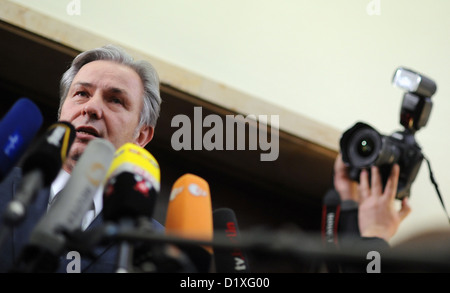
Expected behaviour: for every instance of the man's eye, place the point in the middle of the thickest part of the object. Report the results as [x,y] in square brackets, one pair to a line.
[81,94]
[116,101]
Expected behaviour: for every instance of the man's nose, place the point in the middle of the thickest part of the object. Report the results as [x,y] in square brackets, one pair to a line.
[94,107]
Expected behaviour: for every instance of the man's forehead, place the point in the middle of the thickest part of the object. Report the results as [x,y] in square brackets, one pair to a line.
[108,74]
[113,89]
[108,67]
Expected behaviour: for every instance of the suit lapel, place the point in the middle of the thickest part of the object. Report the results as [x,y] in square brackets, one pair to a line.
[8,250]
[105,254]
[34,212]
[19,234]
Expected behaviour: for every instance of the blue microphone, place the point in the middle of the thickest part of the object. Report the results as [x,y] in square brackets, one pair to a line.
[17,130]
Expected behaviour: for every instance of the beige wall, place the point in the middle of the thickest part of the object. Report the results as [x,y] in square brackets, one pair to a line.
[331,61]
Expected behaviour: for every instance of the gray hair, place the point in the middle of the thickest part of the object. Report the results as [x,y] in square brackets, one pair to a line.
[149,77]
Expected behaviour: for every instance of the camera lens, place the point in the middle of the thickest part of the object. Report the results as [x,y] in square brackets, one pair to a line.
[365,147]
[361,145]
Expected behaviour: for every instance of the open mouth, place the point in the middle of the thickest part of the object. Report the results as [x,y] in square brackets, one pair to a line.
[84,132]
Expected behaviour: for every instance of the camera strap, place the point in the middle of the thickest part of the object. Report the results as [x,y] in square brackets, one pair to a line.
[436,186]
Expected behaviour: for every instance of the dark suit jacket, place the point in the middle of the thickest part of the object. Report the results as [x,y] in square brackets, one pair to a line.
[105,255]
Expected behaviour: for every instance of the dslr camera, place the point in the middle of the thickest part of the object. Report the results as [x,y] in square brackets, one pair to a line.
[362,146]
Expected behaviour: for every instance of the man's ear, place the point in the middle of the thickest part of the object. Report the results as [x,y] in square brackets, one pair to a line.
[145,135]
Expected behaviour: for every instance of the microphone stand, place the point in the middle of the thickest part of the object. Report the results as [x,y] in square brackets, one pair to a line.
[302,246]
[125,256]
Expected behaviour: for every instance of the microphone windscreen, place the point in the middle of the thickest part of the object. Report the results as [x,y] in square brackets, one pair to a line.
[75,199]
[189,213]
[40,167]
[330,217]
[17,130]
[331,198]
[226,229]
[50,151]
[133,184]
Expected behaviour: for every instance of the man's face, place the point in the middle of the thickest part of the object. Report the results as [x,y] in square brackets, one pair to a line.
[104,100]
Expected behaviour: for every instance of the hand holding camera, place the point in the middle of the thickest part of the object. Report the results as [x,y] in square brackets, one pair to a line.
[362,146]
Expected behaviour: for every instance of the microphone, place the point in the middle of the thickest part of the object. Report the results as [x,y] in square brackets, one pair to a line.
[189,215]
[17,129]
[40,168]
[226,229]
[331,210]
[133,184]
[47,240]
[330,217]
[130,194]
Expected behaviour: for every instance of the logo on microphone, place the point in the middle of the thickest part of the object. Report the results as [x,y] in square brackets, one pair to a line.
[12,146]
[330,227]
[175,192]
[96,172]
[55,137]
[142,186]
[60,136]
[196,190]
[239,259]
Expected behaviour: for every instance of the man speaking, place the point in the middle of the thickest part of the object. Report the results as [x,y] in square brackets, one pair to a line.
[104,94]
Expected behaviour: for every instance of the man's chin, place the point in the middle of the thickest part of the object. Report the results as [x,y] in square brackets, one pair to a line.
[69,164]
[75,152]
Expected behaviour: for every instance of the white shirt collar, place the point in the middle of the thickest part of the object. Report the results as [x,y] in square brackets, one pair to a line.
[59,183]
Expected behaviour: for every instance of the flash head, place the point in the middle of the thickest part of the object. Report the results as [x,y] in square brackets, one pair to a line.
[414,82]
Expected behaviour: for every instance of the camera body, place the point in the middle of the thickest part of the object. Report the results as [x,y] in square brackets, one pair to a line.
[362,146]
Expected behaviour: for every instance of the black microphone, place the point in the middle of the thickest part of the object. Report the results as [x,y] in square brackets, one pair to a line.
[48,238]
[130,195]
[226,229]
[330,217]
[331,210]
[18,128]
[40,168]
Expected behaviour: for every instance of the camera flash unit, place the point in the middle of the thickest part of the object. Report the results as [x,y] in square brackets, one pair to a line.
[413,82]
